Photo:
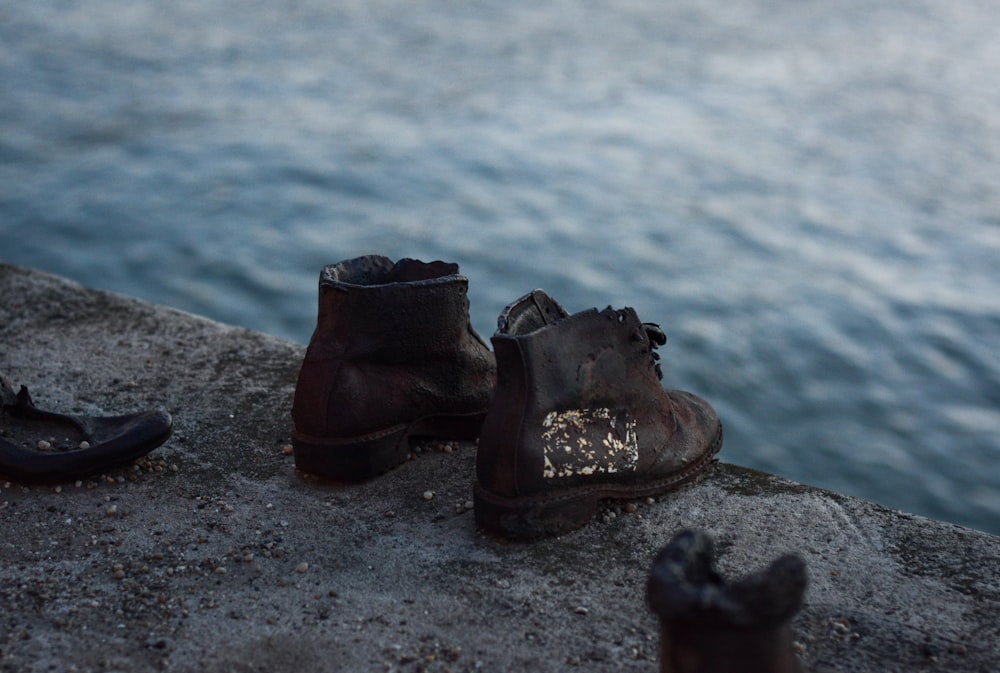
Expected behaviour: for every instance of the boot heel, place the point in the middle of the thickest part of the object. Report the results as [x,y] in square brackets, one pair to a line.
[532,518]
[354,459]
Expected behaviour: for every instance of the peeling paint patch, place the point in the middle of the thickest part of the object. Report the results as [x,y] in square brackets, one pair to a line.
[588,441]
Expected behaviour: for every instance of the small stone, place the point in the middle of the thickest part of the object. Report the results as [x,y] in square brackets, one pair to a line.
[221,570]
[428,495]
[85,444]
[302,567]
[840,626]
[469,504]
[582,611]
[43,445]
[287,449]
[631,508]
[112,510]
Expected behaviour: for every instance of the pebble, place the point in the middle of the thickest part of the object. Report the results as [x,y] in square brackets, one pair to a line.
[43,445]
[85,444]
[302,567]
[631,508]
[840,626]
[428,495]
[582,611]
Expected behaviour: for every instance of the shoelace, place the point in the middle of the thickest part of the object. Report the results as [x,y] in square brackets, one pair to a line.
[657,337]
[654,334]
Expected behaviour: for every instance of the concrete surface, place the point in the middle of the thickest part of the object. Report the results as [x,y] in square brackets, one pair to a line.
[214,555]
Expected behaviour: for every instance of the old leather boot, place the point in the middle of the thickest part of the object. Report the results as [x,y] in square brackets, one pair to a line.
[393,356]
[707,626]
[580,415]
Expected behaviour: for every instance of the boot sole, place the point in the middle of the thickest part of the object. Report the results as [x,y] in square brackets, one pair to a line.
[538,516]
[366,456]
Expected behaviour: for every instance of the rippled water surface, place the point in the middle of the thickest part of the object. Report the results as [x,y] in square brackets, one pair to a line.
[803,194]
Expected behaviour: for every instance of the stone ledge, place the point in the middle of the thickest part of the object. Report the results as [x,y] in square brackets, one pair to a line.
[215,555]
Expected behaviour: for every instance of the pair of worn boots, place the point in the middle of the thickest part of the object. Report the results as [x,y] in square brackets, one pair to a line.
[568,409]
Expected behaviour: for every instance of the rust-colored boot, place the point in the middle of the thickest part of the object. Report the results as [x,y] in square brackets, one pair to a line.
[708,626]
[580,415]
[393,356]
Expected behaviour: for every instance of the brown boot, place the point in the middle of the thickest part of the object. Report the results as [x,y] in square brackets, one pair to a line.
[393,356]
[707,626]
[580,415]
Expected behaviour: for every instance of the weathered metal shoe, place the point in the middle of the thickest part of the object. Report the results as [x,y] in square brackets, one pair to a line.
[708,626]
[579,415]
[393,356]
[73,446]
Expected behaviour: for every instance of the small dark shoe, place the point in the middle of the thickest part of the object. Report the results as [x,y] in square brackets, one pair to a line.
[580,415]
[393,356]
[74,446]
[708,626]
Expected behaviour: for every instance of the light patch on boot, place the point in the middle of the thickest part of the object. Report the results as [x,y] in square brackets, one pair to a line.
[588,441]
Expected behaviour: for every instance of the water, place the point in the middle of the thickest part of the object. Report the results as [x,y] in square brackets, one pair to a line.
[802,194]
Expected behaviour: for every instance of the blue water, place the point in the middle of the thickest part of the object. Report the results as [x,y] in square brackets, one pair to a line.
[803,194]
